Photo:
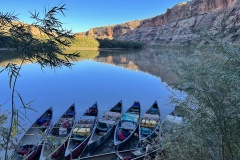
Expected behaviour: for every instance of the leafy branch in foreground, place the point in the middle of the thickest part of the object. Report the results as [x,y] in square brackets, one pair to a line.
[47,51]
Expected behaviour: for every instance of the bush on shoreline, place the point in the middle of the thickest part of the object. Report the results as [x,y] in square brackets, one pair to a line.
[82,42]
[211,110]
[107,43]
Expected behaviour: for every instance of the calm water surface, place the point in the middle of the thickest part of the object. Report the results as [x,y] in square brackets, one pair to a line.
[107,79]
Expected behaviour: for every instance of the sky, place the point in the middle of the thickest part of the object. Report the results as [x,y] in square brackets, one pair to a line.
[81,15]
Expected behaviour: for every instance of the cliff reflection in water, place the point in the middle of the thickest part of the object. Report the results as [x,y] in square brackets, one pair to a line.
[160,62]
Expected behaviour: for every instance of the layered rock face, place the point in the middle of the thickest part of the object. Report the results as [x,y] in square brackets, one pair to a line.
[112,31]
[183,24]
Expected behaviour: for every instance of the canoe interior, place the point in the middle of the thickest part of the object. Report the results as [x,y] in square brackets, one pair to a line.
[149,122]
[92,111]
[81,132]
[59,134]
[105,128]
[107,122]
[127,126]
[35,134]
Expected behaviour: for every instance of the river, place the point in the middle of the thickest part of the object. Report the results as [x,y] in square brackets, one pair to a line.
[106,77]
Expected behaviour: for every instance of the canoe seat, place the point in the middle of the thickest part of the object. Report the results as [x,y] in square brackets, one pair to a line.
[78,138]
[145,131]
[62,131]
[102,127]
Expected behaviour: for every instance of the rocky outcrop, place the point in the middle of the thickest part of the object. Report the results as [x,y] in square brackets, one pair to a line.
[112,31]
[183,24]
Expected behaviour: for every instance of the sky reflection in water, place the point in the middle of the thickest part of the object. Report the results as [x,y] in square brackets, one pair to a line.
[86,82]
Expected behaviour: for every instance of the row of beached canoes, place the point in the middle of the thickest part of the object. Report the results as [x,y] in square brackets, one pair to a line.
[70,137]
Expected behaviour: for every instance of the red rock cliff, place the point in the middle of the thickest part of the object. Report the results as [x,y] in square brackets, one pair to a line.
[180,24]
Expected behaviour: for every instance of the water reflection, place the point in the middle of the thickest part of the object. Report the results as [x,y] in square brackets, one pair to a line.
[89,81]
[161,62]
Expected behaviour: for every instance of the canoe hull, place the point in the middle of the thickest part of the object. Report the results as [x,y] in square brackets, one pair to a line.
[35,129]
[111,155]
[101,140]
[149,137]
[61,148]
[120,145]
[34,154]
[114,155]
[77,151]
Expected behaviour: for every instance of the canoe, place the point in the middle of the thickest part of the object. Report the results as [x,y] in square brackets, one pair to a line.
[81,132]
[149,122]
[105,127]
[29,147]
[110,156]
[55,143]
[123,154]
[127,126]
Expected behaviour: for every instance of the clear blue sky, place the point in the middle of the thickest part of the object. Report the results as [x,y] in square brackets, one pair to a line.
[81,15]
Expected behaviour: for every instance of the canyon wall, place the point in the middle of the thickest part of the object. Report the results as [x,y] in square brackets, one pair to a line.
[185,23]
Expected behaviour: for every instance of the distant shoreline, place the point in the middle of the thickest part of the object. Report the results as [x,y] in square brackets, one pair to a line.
[80,49]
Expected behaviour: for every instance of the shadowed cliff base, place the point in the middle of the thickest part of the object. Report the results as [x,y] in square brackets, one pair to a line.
[81,41]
